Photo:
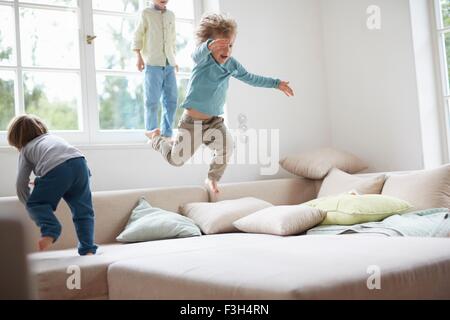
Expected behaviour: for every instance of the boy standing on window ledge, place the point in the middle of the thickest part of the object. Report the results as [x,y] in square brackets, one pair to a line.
[155,47]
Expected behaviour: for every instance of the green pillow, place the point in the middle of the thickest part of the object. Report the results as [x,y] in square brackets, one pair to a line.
[348,209]
[147,224]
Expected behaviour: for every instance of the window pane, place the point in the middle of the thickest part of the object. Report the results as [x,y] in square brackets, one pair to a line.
[448,116]
[129,6]
[185,45]
[121,102]
[113,48]
[54,97]
[6,98]
[49,38]
[445,7]
[66,3]
[446,40]
[7,36]
[182,8]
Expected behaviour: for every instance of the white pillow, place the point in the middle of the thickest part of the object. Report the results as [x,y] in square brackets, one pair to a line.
[317,163]
[218,217]
[338,182]
[281,220]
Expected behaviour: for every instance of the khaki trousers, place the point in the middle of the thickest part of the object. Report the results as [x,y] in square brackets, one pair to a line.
[191,135]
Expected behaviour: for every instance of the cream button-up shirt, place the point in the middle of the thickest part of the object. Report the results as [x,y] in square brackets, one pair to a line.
[155,36]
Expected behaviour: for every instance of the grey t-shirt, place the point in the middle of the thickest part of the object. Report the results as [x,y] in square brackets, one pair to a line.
[41,155]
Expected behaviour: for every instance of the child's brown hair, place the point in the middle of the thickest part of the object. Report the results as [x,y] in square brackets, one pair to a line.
[23,129]
[214,25]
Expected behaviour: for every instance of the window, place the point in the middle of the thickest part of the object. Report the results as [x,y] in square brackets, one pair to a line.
[443,30]
[87,92]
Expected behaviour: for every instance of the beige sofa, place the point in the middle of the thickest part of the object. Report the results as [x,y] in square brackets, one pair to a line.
[232,266]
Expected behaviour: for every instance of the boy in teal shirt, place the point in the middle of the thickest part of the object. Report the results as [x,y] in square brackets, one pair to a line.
[201,122]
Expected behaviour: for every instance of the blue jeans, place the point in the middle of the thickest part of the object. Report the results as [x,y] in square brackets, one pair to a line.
[68,181]
[160,80]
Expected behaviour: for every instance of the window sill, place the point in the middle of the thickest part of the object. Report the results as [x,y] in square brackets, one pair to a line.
[118,146]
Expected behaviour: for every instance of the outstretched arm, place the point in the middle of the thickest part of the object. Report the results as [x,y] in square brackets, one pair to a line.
[242,74]
[23,179]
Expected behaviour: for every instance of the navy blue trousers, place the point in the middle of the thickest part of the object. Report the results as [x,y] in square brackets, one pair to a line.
[68,181]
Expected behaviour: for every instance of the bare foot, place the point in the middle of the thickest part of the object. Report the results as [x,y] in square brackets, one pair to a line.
[45,243]
[153,134]
[89,254]
[212,184]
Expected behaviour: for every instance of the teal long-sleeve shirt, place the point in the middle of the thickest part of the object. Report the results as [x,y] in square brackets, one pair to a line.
[209,81]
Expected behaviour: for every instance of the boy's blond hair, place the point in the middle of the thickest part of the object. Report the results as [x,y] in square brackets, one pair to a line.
[23,129]
[215,25]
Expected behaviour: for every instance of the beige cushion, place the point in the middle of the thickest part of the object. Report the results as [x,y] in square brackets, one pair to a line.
[423,189]
[218,217]
[337,182]
[281,220]
[316,164]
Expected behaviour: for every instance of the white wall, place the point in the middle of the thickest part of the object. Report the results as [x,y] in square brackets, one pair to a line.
[372,84]
[266,48]
[282,40]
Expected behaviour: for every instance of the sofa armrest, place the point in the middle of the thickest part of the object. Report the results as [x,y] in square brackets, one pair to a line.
[278,192]
[14,276]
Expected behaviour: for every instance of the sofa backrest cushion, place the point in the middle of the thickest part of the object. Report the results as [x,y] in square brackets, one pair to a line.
[338,181]
[424,189]
[112,211]
[277,192]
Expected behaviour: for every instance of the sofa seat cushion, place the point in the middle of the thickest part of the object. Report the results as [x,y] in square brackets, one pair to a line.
[51,269]
[249,266]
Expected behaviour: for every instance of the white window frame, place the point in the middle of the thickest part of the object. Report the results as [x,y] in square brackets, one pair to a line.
[74,136]
[89,132]
[443,71]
